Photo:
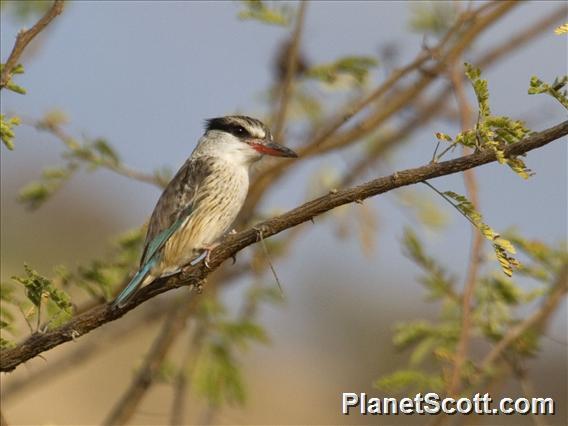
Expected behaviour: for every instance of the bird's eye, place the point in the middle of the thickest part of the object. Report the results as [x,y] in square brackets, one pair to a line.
[241,130]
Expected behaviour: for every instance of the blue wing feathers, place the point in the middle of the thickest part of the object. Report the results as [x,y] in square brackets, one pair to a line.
[134,283]
[151,256]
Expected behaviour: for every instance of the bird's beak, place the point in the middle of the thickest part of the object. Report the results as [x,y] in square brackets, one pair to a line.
[274,149]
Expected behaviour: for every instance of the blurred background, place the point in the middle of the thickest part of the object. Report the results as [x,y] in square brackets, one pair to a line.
[144,76]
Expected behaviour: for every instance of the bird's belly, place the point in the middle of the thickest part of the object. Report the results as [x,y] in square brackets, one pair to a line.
[212,217]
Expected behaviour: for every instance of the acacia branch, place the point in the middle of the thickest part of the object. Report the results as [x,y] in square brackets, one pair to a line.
[196,275]
[432,108]
[23,39]
[329,138]
[84,352]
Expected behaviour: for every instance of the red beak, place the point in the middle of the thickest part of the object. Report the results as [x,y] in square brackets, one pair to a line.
[274,149]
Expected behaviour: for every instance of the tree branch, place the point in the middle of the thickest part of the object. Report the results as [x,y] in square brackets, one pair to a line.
[174,323]
[23,39]
[329,138]
[538,318]
[432,108]
[116,167]
[196,275]
[286,87]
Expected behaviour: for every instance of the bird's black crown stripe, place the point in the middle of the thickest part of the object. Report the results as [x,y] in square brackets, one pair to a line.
[236,125]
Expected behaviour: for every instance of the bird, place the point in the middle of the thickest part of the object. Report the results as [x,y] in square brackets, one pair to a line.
[201,202]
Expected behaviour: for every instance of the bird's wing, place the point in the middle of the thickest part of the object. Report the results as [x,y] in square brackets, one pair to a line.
[175,205]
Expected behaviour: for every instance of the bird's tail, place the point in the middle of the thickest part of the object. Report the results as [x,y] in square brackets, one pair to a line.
[133,285]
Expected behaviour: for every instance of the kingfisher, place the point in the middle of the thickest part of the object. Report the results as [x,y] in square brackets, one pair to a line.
[202,201]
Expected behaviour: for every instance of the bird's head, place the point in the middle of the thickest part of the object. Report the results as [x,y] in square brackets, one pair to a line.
[241,138]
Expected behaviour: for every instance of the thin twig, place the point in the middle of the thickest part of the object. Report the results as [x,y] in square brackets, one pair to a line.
[470,182]
[23,39]
[286,86]
[520,372]
[537,319]
[525,34]
[329,139]
[174,323]
[85,352]
[194,276]
[116,167]
[269,261]
[182,382]
[432,108]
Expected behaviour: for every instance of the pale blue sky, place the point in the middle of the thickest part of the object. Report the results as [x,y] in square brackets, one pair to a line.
[144,75]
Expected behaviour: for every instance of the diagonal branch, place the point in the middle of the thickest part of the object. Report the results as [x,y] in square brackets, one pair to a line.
[538,318]
[432,108]
[23,39]
[196,275]
[174,323]
[329,138]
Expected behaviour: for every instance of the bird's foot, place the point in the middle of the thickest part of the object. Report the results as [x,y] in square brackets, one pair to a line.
[207,250]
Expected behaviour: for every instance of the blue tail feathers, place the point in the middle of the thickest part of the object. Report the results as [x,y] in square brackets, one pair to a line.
[133,285]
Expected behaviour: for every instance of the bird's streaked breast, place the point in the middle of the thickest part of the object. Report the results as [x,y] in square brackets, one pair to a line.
[219,198]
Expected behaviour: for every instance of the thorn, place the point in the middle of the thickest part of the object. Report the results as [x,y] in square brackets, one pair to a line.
[74,334]
[199,287]
[312,220]
[260,230]
[359,201]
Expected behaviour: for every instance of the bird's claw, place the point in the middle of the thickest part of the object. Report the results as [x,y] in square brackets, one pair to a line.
[206,260]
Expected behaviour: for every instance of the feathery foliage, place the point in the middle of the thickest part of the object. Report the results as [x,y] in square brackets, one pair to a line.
[357,67]
[498,308]
[555,89]
[41,291]
[492,132]
[276,14]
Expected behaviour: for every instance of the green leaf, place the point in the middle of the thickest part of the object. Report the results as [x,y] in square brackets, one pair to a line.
[39,288]
[241,332]
[35,285]
[443,137]
[435,278]
[6,344]
[432,17]
[357,67]
[218,376]
[7,130]
[537,86]
[480,88]
[106,151]
[411,380]
[491,132]
[15,88]
[259,11]
[502,247]
[34,194]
